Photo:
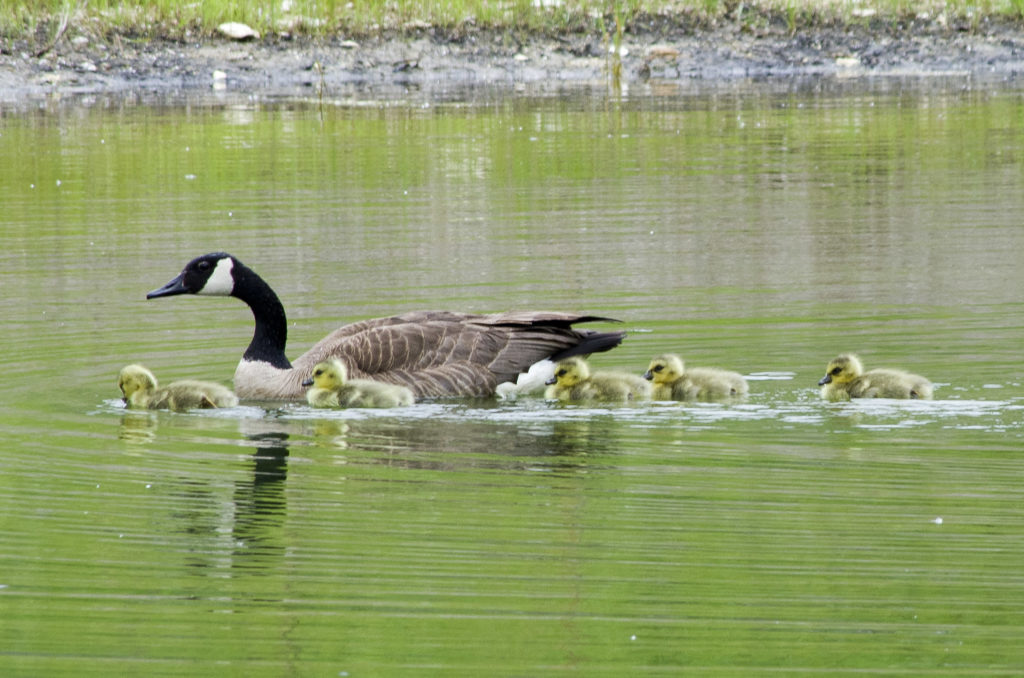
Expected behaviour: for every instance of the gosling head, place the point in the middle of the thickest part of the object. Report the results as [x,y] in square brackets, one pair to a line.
[330,374]
[212,274]
[842,370]
[570,372]
[664,369]
[135,379]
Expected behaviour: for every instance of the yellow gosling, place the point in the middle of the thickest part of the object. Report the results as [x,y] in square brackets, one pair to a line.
[573,380]
[845,378]
[331,387]
[140,390]
[672,381]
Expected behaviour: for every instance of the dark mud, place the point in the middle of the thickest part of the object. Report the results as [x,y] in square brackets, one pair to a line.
[436,64]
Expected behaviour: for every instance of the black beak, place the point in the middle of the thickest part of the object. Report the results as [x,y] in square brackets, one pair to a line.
[552,380]
[307,382]
[648,375]
[176,286]
[827,379]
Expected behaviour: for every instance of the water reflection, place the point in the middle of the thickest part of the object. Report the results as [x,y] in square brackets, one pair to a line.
[138,427]
[762,230]
[260,506]
[459,437]
[331,433]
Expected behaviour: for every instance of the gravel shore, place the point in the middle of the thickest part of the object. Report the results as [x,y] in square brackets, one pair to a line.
[435,63]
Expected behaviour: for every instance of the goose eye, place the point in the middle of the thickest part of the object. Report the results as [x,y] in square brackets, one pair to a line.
[659,368]
[562,373]
[204,266]
[836,370]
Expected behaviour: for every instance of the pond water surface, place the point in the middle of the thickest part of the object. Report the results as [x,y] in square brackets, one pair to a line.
[763,228]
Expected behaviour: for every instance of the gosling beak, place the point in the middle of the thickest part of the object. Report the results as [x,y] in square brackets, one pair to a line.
[648,375]
[307,382]
[827,379]
[176,286]
[552,380]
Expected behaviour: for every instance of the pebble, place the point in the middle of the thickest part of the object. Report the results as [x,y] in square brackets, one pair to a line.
[237,31]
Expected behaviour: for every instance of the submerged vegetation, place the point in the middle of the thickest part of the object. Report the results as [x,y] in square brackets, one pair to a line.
[45,20]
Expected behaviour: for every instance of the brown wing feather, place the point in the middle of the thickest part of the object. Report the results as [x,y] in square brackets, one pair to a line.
[438,353]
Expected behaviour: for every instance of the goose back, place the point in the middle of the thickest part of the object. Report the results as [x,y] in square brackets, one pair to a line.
[188,394]
[708,383]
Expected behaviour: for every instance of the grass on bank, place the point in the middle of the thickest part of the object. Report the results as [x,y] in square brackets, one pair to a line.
[40,20]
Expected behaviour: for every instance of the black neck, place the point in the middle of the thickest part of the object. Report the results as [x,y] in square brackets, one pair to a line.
[271,334]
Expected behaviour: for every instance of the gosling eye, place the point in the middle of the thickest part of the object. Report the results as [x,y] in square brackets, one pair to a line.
[659,368]
[836,370]
[561,373]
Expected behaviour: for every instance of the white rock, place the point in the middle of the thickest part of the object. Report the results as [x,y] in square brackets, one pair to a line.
[237,31]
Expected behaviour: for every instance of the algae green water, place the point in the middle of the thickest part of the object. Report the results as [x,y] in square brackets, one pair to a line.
[745,227]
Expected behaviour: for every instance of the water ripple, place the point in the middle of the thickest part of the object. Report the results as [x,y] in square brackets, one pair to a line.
[805,410]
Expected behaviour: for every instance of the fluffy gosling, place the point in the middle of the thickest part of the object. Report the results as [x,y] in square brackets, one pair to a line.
[140,390]
[845,378]
[331,387]
[672,382]
[573,380]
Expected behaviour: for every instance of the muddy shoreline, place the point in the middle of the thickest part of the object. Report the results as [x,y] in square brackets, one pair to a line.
[434,63]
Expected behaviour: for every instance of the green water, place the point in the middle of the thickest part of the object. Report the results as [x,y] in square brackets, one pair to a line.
[745,227]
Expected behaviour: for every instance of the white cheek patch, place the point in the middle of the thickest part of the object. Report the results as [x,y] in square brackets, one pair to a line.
[220,282]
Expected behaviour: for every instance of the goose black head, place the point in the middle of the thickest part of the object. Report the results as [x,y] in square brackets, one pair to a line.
[209,274]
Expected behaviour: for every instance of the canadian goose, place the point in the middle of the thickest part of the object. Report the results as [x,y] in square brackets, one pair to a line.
[140,390]
[845,378]
[672,382]
[333,388]
[573,380]
[433,353]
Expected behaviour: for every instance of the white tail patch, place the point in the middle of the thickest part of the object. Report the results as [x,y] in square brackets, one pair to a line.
[527,382]
[220,282]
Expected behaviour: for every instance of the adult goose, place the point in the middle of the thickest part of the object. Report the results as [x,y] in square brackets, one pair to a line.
[433,353]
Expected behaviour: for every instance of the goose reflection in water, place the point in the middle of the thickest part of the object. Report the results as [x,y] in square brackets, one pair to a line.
[260,505]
